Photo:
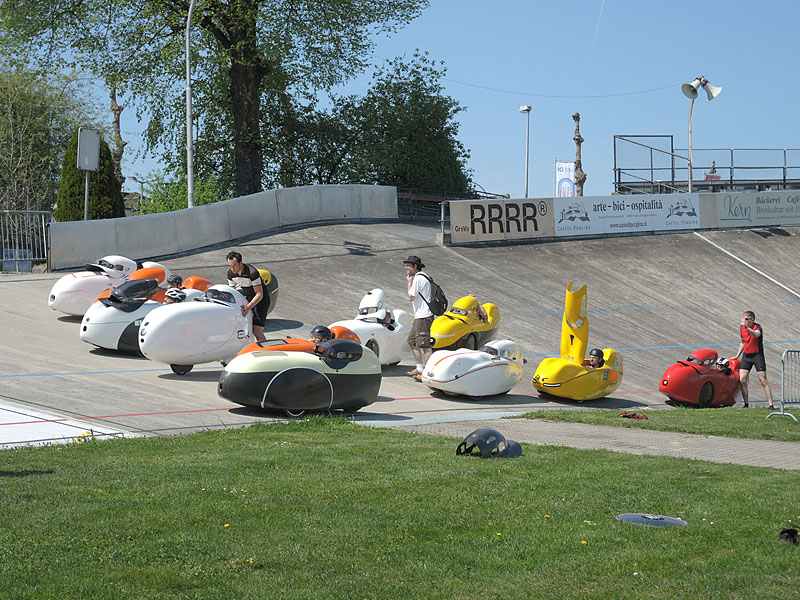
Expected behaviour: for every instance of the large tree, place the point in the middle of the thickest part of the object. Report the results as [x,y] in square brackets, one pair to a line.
[402,132]
[248,47]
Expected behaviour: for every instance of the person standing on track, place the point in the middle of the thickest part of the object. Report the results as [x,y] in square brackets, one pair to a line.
[247,279]
[751,348]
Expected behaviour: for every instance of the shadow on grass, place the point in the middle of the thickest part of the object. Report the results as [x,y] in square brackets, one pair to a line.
[26,473]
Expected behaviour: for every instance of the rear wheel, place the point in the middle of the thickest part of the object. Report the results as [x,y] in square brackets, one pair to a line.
[294,414]
[471,342]
[180,369]
[373,345]
[706,395]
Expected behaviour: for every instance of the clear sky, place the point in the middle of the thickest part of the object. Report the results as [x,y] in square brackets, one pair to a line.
[620,63]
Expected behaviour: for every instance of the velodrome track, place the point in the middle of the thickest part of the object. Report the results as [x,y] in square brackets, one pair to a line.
[655,298]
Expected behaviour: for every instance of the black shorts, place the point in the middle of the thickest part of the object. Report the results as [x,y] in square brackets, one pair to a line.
[751,360]
[260,312]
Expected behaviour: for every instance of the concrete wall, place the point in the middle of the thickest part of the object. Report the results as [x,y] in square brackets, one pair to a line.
[76,243]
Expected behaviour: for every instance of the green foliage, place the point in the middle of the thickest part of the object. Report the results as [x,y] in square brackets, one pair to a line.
[402,132]
[243,52]
[331,509]
[38,112]
[168,195]
[105,192]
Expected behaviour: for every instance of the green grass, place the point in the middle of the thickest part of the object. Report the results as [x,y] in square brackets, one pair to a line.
[328,509]
[726,422]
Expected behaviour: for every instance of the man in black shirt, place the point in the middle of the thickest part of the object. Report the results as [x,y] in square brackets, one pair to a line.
[247,280]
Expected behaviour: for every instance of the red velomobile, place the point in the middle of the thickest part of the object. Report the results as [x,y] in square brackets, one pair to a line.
[700,381]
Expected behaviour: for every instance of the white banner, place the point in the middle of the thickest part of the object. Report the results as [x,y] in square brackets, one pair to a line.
[564,179]
[625,214]
[753,209]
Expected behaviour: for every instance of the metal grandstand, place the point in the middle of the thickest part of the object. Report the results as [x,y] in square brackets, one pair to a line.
[650,164]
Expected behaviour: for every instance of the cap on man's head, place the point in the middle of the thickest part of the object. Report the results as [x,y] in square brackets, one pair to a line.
[414,260]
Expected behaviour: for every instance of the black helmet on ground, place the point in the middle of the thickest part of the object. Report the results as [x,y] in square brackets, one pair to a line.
[322,332]
[488,443]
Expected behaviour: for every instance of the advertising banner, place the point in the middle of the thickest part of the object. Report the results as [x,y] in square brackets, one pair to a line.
[564,179]
[594,215]
[500,219]
[754,209]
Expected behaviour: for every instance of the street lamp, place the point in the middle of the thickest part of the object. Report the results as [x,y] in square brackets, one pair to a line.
[189,142]
[690,91]
[527,110]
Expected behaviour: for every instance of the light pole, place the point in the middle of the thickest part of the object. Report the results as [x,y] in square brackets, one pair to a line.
[189,142]
[690,91]
[527,110]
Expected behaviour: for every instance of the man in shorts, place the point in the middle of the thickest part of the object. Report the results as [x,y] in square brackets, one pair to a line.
[751,349]
[247,280]
[419,287]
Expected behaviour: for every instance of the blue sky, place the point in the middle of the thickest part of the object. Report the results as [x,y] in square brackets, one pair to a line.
[597,57]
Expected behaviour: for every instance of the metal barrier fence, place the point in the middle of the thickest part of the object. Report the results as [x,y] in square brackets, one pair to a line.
[23,234]
[790,381]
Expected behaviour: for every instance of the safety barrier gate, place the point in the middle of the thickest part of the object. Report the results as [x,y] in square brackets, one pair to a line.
[790,381]
[23,238]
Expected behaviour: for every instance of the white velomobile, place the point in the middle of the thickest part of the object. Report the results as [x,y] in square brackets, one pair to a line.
[492,370]
[381,330]
[112,322]
[210,328]
[74,293]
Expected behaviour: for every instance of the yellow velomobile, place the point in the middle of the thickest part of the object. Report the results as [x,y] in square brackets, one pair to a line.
[467,324]
[570,376]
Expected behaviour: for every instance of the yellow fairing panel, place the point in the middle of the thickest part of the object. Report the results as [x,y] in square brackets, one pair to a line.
[266,276]
[568,379]
[575,325]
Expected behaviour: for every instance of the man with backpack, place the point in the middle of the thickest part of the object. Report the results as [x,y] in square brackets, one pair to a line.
[420,294]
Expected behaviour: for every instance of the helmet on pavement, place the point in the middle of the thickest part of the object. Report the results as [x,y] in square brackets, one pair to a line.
[488,443]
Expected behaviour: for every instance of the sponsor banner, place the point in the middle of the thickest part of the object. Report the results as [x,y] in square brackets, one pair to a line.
[500,219]
[594,215]
[753,209]
[565,179]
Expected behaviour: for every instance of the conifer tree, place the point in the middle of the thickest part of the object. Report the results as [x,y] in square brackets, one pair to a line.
[105,191]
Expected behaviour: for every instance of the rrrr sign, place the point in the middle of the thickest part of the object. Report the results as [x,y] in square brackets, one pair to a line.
[489,220]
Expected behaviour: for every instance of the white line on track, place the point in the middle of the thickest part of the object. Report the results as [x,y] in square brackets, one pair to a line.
[747,264]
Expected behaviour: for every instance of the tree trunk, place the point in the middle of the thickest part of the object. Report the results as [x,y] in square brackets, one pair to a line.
[246,105]
[580,176]
[119,143]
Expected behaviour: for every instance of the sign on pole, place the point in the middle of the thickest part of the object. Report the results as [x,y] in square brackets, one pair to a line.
[564,179]
[88,159]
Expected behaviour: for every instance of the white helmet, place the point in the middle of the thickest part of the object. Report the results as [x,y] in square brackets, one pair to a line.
[723,363]
[176,294]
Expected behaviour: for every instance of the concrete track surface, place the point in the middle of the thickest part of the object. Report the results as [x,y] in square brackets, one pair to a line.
[654,298]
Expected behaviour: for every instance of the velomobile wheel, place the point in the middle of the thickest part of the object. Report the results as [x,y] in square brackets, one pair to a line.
[294,414]
[373,345]
[471,342]
[706,395]
[180,369]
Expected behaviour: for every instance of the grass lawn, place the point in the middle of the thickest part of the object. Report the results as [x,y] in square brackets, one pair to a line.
[726,422]
[328,509]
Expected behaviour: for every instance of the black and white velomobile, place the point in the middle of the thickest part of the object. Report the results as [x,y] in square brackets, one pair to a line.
[339,374]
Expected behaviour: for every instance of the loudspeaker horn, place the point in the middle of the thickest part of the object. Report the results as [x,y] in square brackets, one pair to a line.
[690,89]
[712,91]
